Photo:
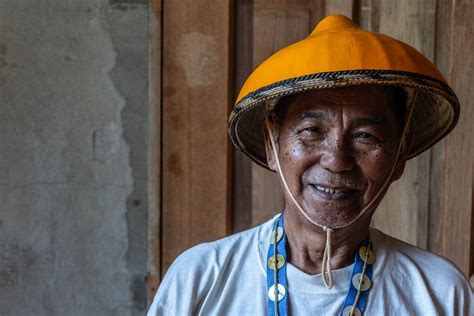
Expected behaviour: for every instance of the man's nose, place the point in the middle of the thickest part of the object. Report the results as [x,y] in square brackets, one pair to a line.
[337,157]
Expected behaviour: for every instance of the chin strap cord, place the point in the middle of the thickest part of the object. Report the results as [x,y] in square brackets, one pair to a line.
[326,262]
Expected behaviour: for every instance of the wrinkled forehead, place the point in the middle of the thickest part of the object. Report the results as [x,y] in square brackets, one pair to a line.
[385,101]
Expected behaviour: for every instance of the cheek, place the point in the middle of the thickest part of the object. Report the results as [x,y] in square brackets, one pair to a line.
[375,166]
[290,149]
[295,159]
[297,155]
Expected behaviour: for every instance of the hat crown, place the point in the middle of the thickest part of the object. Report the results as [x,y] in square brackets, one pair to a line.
[338,44]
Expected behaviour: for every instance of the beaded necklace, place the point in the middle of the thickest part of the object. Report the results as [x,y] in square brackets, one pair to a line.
[356,299]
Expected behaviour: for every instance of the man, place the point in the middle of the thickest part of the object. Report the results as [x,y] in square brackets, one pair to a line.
[336,116]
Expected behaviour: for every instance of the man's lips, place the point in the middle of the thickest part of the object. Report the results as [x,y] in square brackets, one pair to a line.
[333,193]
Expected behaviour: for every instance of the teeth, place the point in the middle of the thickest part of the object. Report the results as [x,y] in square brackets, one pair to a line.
[328,190]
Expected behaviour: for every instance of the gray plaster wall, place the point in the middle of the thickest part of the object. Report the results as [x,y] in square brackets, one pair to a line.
[73,148]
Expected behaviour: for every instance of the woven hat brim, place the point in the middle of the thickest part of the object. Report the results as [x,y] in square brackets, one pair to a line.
[435,114]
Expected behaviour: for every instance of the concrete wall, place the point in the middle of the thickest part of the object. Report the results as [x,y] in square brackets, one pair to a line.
[73,148]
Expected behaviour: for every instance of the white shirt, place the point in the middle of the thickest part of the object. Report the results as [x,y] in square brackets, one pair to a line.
[228,277]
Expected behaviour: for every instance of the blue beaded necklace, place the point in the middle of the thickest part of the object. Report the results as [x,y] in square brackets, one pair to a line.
[356,299]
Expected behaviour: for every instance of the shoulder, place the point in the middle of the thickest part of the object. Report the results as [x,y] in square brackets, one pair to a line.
[426,275]
[200,269]
[414,259]
[216,253]
[207,259]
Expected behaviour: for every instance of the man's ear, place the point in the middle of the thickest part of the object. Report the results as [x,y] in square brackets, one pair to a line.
[268,148]
[403,156]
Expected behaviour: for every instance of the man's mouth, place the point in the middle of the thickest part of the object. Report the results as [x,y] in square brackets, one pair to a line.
[333,193]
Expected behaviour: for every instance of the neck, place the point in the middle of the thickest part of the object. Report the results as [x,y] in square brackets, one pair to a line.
[306,243]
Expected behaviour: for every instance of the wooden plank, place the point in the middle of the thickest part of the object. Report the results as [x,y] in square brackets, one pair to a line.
[436,207]
[458,199]
[196,98]
[368,15]
[404,211]
[241,165]
[471,255]
[437,168]
[276,24]
[154,158]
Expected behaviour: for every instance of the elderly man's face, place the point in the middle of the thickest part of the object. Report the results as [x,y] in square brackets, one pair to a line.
[336,149]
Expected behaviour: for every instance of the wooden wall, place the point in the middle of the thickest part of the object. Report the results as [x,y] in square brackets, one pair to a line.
[201,51]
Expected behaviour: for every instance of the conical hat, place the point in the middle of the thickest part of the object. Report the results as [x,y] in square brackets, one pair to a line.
[338,53]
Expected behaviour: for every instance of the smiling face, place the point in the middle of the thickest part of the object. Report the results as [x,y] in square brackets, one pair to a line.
[336,148]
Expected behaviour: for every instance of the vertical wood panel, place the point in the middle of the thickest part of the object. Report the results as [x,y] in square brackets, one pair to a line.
[471,250]
[369,15]
[154,159]
[196,100]
[458,202]
[437,165]
[404,211]
[241,165]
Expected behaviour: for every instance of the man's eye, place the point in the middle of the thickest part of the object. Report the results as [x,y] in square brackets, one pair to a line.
[363,135]
[313,130]
[366,137]
[311,133]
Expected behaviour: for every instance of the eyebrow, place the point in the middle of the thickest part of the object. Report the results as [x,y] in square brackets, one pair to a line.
[373,120]
[313,114]
[358,121]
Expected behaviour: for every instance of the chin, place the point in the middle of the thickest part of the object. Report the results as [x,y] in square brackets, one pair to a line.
[332,214]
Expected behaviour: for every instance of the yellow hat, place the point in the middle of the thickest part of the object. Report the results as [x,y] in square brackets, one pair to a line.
[339,53]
